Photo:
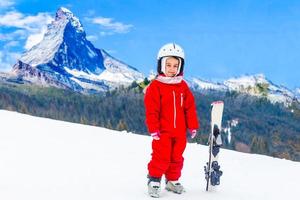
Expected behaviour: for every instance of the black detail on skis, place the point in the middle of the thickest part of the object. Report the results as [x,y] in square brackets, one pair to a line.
[215,150]
[216,131]
[215,174]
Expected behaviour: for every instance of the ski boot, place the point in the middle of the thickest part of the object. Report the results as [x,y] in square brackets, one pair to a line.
[174,186]
[153,186]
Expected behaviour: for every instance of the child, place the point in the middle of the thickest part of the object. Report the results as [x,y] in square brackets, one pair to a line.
[170,111]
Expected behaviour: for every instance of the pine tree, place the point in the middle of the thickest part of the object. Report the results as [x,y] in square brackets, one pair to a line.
[121,125]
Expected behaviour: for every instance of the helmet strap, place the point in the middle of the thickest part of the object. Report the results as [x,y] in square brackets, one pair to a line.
[163,64]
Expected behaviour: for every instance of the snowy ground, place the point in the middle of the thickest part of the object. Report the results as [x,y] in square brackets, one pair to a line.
[49,159]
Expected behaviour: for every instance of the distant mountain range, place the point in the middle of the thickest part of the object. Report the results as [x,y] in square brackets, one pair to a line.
[66,59]
[256,85]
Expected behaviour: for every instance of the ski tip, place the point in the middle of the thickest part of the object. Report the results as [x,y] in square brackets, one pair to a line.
[217,102]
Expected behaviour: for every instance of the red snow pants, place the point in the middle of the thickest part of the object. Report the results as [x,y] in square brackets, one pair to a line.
[167,156]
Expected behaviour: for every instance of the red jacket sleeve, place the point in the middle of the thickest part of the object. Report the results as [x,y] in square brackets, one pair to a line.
[190,110]
[152,108]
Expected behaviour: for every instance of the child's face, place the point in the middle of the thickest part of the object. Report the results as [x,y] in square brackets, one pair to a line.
[172,65]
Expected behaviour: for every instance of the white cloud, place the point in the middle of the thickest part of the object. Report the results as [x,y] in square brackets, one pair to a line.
[92,38]
[103,33]
[26,29]
[6,3]
[12,44]
[7,60]
[33,26]
[18,20]
[18,34]
[2,37]
[110,24]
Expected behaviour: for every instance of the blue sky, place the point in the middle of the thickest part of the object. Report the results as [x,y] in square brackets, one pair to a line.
[221,38]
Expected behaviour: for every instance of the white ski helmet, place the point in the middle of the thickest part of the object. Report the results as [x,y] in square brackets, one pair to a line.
[170,50]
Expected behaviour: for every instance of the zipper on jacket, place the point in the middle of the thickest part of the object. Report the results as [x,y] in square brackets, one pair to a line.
[181,99]
[174,109]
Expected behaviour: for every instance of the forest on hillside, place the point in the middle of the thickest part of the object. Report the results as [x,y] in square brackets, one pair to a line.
[262,128]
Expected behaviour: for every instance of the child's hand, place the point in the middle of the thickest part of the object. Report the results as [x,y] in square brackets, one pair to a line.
[155,136]
[193,133]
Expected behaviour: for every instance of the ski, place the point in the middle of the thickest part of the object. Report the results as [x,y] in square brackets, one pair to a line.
[212,168]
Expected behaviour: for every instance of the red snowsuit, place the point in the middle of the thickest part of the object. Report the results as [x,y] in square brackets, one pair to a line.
[170,110]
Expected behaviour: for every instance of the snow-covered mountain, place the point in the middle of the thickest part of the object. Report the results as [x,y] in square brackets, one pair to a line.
[297,92]
[199,84]
[256,85]
[66,59]
[48,159]
[3,76]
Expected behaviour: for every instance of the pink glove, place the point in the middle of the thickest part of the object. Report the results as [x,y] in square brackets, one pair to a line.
[193,133]
[155,135]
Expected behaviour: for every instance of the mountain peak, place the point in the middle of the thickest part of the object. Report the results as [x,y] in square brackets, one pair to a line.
[248,80]
[64,14]
[262,76]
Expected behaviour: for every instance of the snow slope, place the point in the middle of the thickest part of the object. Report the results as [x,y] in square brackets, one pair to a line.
[48,159]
